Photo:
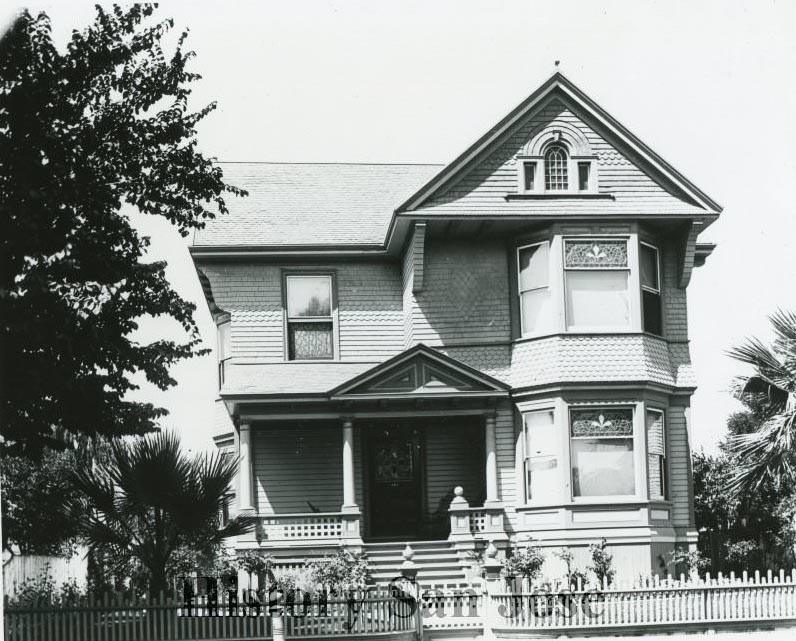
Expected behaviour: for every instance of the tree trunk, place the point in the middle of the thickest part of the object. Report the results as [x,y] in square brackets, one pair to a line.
[158,583]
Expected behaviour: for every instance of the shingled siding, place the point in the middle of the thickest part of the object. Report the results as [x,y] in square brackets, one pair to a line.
[294,465]
[674,298]
[465,296]
[369,301]
[497,173]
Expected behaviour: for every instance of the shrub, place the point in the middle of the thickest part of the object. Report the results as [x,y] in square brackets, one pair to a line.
[41,590]
[256,564]
[526,563]
[342,572]
[691,563]
[743,555]
[602,563]
[574,576]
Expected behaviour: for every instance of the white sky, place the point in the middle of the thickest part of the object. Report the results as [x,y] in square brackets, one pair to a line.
[708,85]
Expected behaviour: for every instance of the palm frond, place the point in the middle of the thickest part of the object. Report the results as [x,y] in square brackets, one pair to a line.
[784,323]
[765,454]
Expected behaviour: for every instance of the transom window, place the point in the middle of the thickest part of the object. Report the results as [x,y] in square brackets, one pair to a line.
[534,286]
[596,279]
[601,450]
[310,324]
[555,169]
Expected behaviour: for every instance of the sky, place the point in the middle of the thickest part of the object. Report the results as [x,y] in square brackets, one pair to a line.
[708,85]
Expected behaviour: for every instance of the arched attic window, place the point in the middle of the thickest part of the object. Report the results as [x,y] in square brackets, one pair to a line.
[556,162]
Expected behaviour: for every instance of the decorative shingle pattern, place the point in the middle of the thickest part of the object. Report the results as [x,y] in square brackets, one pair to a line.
[288,378]
[312,204]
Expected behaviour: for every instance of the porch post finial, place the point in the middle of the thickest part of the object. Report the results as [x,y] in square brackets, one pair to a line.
[349,496]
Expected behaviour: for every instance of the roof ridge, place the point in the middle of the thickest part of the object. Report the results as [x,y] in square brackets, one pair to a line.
[366,164]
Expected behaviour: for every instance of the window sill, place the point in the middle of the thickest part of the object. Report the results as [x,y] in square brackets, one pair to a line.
[599,501]
[551,196]
[585,332]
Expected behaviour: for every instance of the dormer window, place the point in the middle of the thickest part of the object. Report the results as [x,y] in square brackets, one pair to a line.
[555,169]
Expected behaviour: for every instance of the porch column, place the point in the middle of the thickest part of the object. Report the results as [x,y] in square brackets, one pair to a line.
[349,497]
[245,469]
[492,496]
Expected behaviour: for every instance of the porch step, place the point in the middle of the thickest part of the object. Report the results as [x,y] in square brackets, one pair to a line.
[437,561]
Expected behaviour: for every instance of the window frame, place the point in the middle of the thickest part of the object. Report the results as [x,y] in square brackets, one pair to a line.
[223,346]
[665,458]
[559,455]
[628,269]
[564,168]
[633,406]
[548,287]
[331,319]
[644,288]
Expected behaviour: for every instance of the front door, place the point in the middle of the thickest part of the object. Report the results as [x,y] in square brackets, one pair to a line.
[394,501]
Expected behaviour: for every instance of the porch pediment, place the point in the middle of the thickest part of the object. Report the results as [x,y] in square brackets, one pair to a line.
[420,371]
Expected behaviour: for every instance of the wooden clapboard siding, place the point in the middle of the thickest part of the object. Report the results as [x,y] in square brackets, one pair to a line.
[465,296]
[454,456]
[370,308]
[407,281]
[497,173]
[505,438]
[678,454]
[293,465]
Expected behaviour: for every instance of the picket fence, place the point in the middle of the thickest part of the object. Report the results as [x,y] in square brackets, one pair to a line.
[650,602]
[128,618]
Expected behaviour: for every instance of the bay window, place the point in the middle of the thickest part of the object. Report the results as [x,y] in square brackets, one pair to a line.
[542,446]
[310,324]
[596,277]
[649,264]
[656,454]
[601,452]
[534,288]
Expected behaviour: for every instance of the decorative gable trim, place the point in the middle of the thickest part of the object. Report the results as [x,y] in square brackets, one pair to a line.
[420,371]
[556,83]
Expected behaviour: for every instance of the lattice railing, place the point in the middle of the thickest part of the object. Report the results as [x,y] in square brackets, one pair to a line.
[292,527]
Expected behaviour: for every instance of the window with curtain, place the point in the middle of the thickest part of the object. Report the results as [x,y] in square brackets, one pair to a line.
[596,280]
[555,169]
[542,478]
[601,452]
[656,453]
[649,263]
[310,324]
[534,286]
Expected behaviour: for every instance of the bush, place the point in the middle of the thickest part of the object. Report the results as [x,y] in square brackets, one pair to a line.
[342,572]
[256,564]
[525,563]
[41,591]
[743,555]
[691,563]
[602,563]
[574,576]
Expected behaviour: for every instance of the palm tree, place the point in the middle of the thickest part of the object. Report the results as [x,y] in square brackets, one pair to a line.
[149,499]
[770,451]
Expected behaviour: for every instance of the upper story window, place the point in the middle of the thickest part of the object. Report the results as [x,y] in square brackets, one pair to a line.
[310,323]
[534,286]
[649,262]
[556,174]
[596,280]
[601,452]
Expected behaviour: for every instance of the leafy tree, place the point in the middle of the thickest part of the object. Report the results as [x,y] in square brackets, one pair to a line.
[768,452]
[150,501]
[33,493]
[87,135]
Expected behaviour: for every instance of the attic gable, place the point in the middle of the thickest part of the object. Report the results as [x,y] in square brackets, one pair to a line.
[626,169]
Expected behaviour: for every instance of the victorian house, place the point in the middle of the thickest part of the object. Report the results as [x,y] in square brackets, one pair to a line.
[491,350]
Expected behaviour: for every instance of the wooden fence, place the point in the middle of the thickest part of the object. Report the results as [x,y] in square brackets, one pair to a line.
[20,568]
[127,618]
[650,602]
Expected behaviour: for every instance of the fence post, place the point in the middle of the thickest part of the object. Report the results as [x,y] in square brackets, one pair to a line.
[492,568]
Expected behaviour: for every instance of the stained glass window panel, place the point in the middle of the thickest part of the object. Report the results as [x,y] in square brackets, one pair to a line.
[308,341]
[309,296]
[601,422]
[595,254]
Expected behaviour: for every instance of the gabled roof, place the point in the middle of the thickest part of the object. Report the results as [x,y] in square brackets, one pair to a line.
[420,371]
[556,83]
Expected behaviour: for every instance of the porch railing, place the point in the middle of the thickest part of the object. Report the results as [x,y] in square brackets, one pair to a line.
[320,526]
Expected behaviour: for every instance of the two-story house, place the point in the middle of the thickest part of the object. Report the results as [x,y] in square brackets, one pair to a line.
[494,349]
